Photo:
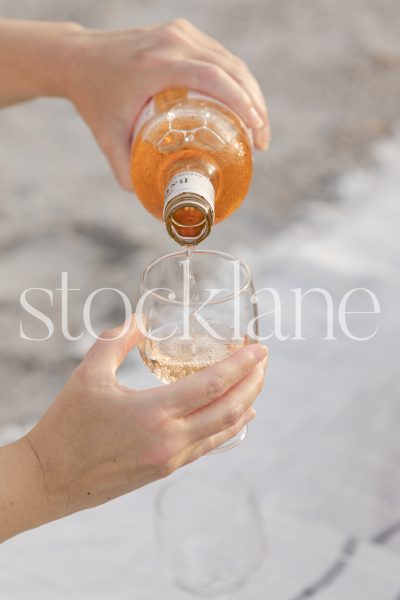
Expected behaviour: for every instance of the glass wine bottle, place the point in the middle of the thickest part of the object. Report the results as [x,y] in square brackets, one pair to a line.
[191,162]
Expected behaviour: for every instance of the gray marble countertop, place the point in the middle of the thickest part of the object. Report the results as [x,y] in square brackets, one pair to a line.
[322,455]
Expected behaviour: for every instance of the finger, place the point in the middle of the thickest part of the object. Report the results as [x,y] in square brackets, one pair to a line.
[211,443]
[209,50]
[212,80]
[227,410]
[239,71]
[112,346]
[241,74]
[117,150]
[195,391]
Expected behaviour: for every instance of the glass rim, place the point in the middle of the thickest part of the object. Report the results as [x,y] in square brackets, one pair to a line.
[225,255]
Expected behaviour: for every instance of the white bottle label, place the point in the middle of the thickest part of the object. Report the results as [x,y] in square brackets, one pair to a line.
[189,181]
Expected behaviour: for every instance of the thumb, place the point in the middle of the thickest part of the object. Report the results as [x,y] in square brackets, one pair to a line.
[112,346]
[118,154]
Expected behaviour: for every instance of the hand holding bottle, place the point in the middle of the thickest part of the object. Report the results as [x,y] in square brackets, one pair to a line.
[109,75]
[112,75]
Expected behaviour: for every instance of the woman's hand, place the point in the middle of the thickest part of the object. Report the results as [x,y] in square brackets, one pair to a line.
[99,439]
[109,75]
[112,74]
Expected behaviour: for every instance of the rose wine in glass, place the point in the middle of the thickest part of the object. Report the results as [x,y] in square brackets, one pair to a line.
[194,311]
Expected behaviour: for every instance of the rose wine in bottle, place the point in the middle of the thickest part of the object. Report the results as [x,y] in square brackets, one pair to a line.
[191,162]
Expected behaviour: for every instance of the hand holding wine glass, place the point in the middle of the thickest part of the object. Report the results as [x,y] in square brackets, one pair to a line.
[99,439]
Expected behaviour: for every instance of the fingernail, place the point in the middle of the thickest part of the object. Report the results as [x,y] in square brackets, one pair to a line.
[264,138]
[249,415]
[265,363]
[259,352]
[255,119]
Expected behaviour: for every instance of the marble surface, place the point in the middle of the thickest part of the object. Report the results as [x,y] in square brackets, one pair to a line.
[322,455]
[111,552]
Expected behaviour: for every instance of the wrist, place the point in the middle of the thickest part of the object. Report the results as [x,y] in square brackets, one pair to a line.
[35,59]
[24,502]
[65,48]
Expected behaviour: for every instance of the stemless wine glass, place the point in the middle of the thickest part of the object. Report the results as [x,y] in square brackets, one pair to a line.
[209,532]
[196,307]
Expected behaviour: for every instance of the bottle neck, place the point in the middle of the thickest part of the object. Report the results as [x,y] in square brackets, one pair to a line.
[189,207]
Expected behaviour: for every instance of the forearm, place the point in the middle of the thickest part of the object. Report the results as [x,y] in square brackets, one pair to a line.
[34,59]
[24,501]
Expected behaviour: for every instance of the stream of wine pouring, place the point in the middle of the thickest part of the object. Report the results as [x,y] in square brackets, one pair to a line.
[190,294]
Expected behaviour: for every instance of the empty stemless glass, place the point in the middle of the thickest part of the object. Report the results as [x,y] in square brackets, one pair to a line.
[195,308]
[209,532]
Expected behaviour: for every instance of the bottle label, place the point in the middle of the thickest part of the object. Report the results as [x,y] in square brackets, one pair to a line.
[189,181]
